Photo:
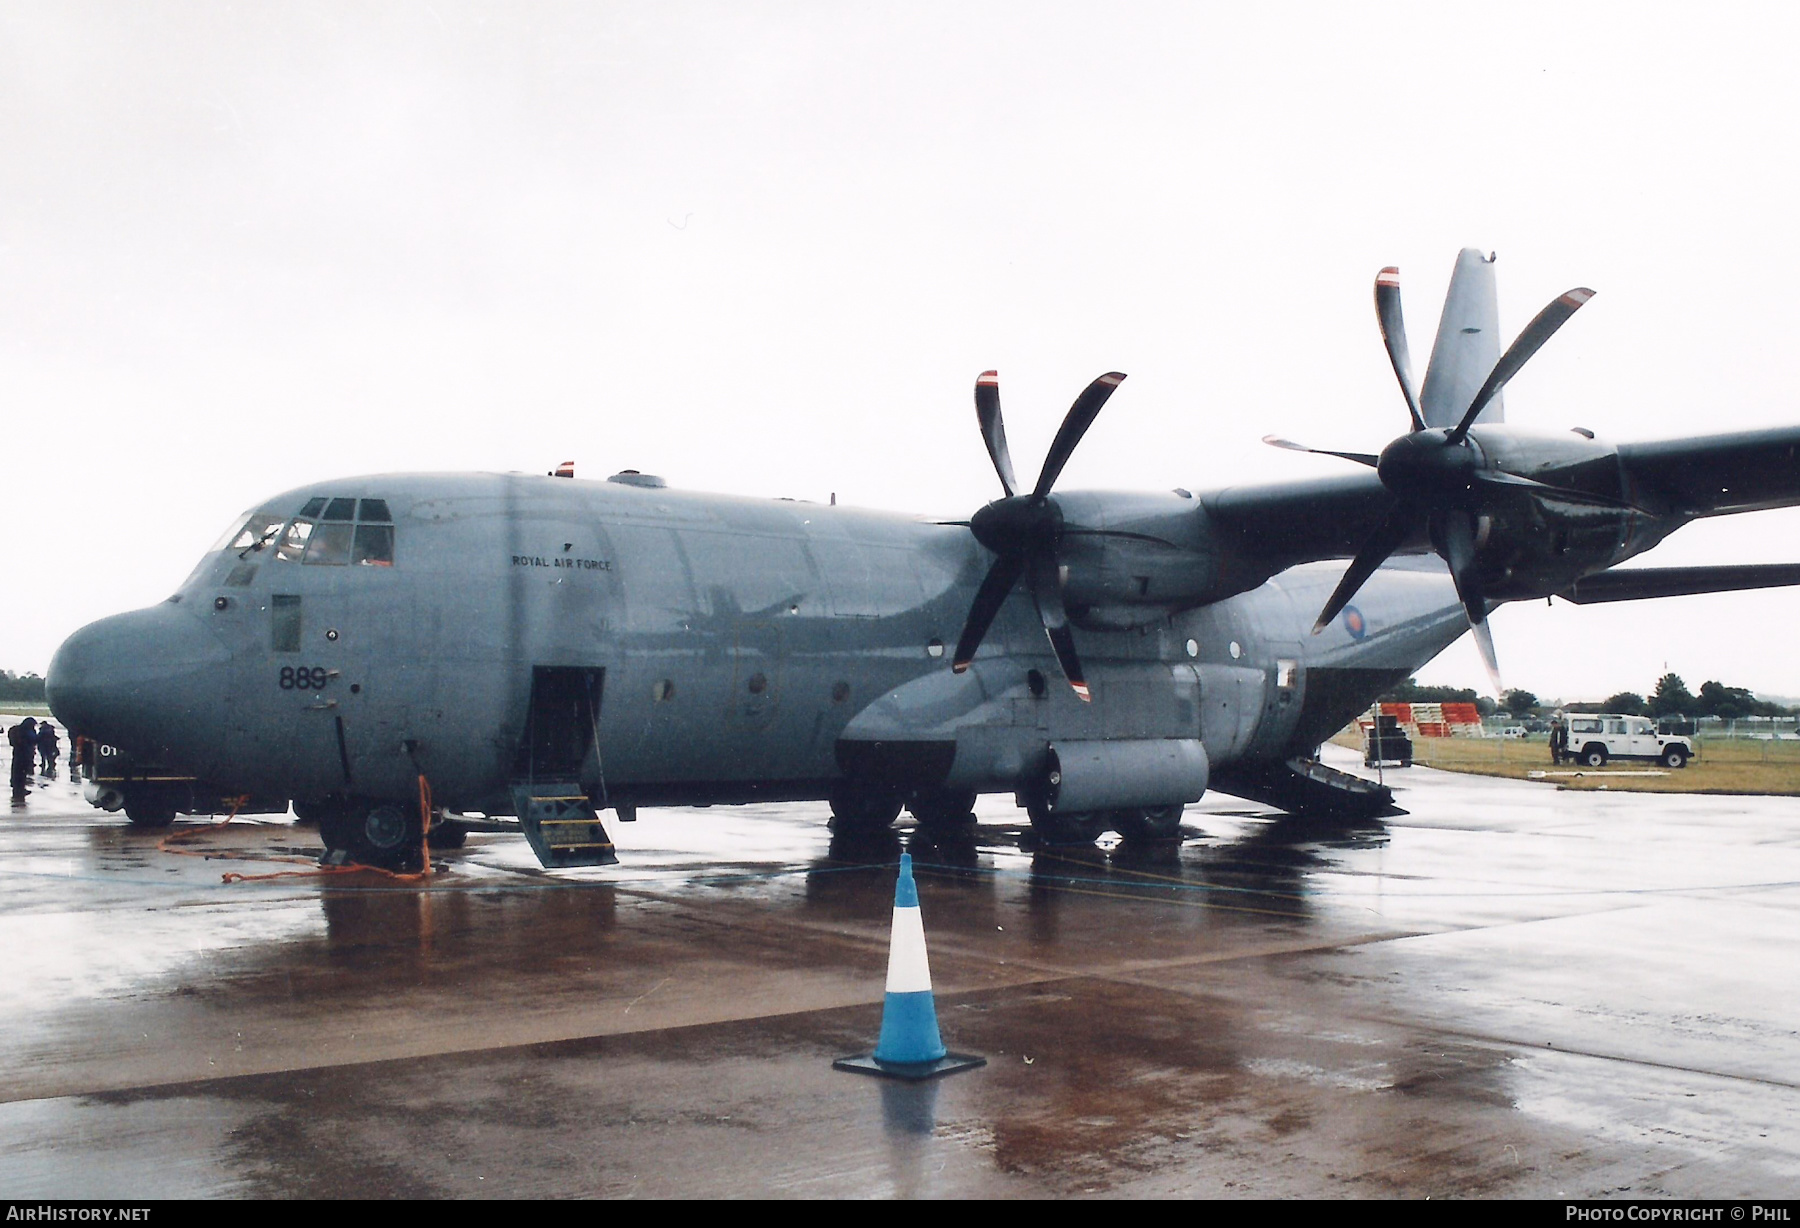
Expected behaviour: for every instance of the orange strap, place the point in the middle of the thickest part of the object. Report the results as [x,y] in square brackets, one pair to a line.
[162,846]
[354,867]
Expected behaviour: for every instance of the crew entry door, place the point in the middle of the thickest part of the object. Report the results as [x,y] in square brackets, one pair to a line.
[561,737]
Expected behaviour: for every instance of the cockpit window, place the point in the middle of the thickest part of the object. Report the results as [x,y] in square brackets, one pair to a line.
[258,531]
[330,532]
[330,545]
[293,542]
[374,545]
[230,535]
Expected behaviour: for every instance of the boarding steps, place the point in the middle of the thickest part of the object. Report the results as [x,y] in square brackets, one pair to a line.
[561,825]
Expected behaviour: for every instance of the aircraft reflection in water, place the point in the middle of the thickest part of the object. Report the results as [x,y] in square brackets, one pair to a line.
[547,648]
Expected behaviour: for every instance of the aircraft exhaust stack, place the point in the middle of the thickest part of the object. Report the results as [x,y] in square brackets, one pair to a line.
[910,1046]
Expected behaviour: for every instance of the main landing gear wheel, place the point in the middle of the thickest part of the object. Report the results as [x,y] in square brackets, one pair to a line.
[149,810]
[1141,825]
[856,809]
[383,835]
[1066,828]
[943,807]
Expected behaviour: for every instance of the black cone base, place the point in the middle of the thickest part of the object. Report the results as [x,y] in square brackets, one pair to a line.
[916,1072]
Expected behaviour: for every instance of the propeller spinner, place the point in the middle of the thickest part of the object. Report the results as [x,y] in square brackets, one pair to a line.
[1437,478]
[1024,530]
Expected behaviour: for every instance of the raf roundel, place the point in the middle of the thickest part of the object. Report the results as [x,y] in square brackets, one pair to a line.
[1353,622]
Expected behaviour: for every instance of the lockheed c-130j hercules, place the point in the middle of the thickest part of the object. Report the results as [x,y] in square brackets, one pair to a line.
[553,649]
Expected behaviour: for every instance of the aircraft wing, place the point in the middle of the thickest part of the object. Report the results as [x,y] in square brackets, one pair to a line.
[1282,524]
[1714,475]
[1639,583]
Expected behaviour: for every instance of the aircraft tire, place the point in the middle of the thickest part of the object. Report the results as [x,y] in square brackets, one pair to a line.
[1148,823]
[856,809]
[149,810]
[1081,828]
[383,834]
[942,806]
[308,812]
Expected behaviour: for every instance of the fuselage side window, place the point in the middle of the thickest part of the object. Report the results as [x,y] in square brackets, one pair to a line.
[284,626]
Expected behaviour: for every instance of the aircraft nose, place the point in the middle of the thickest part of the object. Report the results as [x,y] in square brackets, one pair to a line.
[139,680]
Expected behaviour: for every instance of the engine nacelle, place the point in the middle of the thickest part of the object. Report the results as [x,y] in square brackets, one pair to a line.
[1130,559]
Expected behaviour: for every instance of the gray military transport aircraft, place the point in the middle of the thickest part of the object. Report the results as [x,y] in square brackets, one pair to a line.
[550,648]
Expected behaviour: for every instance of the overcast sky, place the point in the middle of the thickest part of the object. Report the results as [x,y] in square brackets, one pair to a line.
[766,248]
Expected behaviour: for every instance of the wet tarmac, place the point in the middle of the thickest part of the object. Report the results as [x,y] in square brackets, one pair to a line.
[1511,991]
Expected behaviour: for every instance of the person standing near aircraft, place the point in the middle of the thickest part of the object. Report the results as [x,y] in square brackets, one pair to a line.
[23,739]
[1559,739]
[49,748]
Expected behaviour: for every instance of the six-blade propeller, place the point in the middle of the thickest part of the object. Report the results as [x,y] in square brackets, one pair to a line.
[1024,530]
[1438,479]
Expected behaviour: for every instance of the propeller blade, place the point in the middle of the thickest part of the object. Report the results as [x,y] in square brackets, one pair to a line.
[1046,591]
[1484,640]
[1542,327]
[1459,551]
[1361,458]
[1394,531]
[1393,335]
[1074,426]
[988,599]
[993,430]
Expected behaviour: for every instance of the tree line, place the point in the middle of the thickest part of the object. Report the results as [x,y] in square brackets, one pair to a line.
[25,688]
[1670,697]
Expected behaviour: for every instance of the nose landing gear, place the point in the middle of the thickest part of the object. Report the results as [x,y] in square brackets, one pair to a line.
[380,834]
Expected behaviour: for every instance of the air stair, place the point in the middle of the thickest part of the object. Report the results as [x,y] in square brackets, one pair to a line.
[561,825]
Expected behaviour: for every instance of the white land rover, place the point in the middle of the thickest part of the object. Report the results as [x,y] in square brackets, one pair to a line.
[1596,737]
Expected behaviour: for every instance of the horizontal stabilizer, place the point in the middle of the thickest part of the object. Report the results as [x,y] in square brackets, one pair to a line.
[1639,583]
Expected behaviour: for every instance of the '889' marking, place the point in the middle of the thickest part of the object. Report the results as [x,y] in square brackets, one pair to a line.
[304,679]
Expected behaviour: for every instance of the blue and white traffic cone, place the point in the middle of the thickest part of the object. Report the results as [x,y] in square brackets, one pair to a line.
[910,1047]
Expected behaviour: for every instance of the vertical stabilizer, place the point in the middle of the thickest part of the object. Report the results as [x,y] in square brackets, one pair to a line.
[1467,346]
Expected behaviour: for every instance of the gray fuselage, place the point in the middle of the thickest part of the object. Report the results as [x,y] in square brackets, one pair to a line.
[744,648]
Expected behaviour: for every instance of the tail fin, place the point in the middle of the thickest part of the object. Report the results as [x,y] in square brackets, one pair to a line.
[1467,346]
